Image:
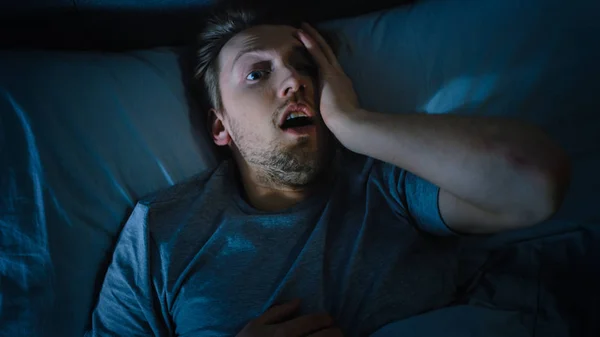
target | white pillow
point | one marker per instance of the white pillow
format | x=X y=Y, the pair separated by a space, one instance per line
x=537 y=60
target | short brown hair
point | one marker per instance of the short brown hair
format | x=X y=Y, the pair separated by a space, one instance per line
x=220 y=27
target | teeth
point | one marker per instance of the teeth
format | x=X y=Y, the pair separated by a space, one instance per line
x=296 y=114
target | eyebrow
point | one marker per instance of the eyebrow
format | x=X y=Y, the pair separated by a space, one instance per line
x=245 y=51
x=296 y=49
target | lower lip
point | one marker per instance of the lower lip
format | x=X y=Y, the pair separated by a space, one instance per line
x=302 y=130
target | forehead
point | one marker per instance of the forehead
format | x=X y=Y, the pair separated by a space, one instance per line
x=263 y=37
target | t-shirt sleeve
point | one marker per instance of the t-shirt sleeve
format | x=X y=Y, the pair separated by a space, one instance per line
x=125 y=306
x=422 y=199
x=418 y=198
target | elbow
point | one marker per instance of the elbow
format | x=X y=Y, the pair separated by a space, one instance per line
x=552 y=184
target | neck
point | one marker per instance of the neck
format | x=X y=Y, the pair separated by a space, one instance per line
x=265 y=194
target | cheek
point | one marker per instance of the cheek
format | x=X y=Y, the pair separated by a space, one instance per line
x=250 y=112
x=255 y=103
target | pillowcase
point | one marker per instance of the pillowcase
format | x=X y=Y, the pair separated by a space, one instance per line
x=83 y=136
x=535 y=61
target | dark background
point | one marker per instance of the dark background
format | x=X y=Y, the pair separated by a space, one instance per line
x=134 y=24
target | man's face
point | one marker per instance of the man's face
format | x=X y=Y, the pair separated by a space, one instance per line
x=270 y=106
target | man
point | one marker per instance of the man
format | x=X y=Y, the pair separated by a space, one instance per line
x=297 y=235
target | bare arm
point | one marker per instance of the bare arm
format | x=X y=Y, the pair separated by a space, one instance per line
x=494 y=174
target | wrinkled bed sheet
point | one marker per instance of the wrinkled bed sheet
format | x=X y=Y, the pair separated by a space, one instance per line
x=83 y=135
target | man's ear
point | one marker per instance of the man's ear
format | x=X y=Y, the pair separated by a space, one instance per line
x=218 y=131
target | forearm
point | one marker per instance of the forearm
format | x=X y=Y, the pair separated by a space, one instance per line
x=496 y=164
x=500 y=173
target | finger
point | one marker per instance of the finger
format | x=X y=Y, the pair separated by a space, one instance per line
x=331 y=332
x=306 y=324
x=313 y=48
x=325 y=47
x=279 y=313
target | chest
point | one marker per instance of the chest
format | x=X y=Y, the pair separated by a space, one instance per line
x=365 y=268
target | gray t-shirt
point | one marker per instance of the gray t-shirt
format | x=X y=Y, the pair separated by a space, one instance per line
x=197 y=260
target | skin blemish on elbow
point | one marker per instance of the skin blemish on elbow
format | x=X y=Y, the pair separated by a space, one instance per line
x=514 y=157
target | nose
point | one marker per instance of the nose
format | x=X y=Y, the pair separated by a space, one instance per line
x=292 y=83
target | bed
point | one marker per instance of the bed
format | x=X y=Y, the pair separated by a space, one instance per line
x=85 y=133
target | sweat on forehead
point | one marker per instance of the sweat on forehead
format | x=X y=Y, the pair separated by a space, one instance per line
x=257 y=38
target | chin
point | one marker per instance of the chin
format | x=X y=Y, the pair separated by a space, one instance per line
x=300 y=169
x=296 y=164
x=301 y=180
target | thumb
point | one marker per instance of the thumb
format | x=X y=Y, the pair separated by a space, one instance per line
x=279 y=313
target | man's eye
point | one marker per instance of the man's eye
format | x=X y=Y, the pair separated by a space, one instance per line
x=256 y=75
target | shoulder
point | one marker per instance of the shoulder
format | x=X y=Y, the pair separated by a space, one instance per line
x=360 y=168
x=187 y=189
x=358 y=175
x=164 y=212
x=354 y=166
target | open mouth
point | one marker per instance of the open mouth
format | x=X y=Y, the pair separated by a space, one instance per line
x=297 y=120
